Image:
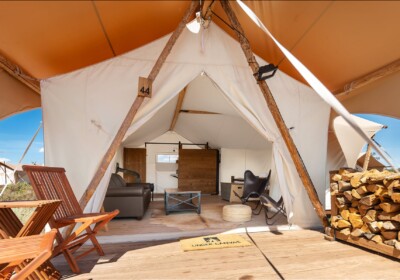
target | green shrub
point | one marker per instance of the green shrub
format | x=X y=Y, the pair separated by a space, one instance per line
x=19 y=191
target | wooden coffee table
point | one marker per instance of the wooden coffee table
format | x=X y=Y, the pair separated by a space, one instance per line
x=181 y=201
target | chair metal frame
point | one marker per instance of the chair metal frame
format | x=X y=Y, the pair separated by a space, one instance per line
x=263 y=184
x=279 y=206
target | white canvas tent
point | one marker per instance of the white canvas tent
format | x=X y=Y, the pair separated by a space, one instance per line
x=345 y=145
x=82 y=111
x=350 y=141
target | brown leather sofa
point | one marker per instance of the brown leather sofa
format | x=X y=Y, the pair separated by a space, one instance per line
x=132 y=199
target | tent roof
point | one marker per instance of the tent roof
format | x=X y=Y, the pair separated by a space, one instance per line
x=225 y=129
x=339 y=41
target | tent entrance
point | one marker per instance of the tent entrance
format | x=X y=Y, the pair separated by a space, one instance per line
x=205 y=115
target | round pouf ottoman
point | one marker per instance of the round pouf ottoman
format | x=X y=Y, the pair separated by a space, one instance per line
x=236 y=213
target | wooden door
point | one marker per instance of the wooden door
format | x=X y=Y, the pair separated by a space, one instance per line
x=135 y=159
x=198 y=170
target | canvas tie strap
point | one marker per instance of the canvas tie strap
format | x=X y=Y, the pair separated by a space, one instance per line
x=322 y=91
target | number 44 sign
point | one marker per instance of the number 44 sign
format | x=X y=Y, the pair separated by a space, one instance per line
x=145 y=87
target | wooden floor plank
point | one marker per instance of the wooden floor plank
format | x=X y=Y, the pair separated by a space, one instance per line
x=300 y=254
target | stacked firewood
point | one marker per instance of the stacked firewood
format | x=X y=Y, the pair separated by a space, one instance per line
x=368 y=205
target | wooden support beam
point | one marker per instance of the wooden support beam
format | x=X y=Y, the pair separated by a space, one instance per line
x=199 y=112
x=273 y=107
x=369 y=78
x=367 y=157
x=105 y=162
x=178 y=108
x=18 y=74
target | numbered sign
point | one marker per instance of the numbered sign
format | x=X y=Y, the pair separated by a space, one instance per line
x=145 y=87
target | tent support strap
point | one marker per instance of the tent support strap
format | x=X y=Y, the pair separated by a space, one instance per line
x=273 y=107
x=109 y=155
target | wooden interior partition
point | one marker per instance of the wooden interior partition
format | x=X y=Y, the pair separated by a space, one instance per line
x=135 y=159
x=198 y=170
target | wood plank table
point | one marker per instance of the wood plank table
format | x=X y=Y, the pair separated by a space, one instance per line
x=179 y=201
x=11 y=226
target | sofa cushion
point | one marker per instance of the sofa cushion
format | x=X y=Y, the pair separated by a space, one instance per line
x=116 y=181
x=124 y=192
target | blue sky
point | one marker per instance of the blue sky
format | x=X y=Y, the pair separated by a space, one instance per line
x=388 y=138
x=16 y=132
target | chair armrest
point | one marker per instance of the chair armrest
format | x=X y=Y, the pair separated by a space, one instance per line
x=144 y=185
x=124 y=191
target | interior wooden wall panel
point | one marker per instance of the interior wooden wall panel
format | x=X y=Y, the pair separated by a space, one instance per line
x=198 y=170
x=135 y=159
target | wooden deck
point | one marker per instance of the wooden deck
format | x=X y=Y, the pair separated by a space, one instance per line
x=296 y=254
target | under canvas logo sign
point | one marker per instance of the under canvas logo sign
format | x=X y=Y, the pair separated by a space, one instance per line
x=214 y=242
x=211 y=239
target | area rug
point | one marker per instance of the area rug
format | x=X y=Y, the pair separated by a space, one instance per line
x=210 y=218
x=214 y=242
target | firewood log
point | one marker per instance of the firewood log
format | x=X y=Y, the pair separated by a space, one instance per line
x=355 y=220
x=370 y=216
x=345 y=231
x=393 y=186
x=365 y=228
x=334 y=187
x=363 y=209
x=391 y=225
x=345 y=214
x=389 y=216
x=369 y=235
x=389 y=207
x=336 y=177
x=389 y=234
x=355 y=181
x=355 y=203
x=393 y=242
x=343 y=224
x=353 y=210
x=395 y=197
x=369 y=200
x=362 y=190
x=378 y=238
x=357 y=232
x=344 y=186
x=355 y=194
x=375 y=226
x=348 y=195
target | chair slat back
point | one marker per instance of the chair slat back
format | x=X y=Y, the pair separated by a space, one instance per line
x=9 y=223
x=51 y=183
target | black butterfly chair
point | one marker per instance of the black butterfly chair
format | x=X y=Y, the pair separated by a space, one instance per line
x=253 y=187
x=268 y=202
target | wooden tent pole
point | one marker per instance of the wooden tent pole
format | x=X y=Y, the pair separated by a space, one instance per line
x=273 y=107
x=106 y=160
x=367 y=157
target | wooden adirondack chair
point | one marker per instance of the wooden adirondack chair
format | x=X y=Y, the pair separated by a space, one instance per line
x=52 y=183
x=14 y=251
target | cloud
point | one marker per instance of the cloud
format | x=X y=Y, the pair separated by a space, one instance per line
x=2 y=159
x=41 y=150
